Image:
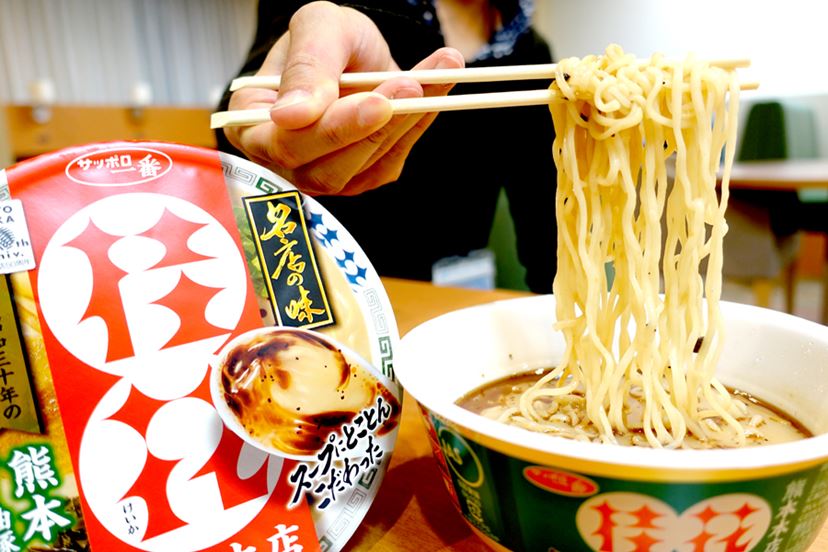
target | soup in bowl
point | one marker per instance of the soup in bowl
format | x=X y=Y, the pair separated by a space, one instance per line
x=523 y=490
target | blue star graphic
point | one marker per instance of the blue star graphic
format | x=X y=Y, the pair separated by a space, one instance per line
x=315 y=219
x=322 y=233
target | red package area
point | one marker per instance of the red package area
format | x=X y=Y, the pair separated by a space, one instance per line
x=176 y=337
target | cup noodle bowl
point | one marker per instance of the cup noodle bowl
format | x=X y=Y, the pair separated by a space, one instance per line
x=526 y=491
x=147 y=265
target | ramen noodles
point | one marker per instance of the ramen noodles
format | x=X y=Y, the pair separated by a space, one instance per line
x=638 y=148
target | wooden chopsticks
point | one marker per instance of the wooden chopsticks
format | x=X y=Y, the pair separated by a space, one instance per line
x=433 y=76
x=446 y=76
x=423 y=76
x=403 y=106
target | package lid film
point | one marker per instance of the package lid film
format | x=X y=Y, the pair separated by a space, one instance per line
x=167 y=279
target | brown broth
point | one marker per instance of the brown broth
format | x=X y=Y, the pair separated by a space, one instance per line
x=778 y=427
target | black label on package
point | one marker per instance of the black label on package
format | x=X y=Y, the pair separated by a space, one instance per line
x=289 y=268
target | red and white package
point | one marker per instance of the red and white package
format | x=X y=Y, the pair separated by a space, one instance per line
x=154 y=394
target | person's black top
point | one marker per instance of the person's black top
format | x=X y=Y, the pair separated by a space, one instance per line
x=444 y=202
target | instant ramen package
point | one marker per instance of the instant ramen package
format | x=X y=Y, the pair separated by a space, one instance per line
x=193 y=356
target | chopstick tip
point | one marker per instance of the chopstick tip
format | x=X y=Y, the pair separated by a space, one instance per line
x=241 y=117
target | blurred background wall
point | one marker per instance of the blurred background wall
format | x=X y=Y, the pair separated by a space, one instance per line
x=180 y=52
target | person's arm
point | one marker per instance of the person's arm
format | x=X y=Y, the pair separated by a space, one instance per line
x=324 y=143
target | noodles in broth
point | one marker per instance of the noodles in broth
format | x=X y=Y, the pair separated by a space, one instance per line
x=650 y=338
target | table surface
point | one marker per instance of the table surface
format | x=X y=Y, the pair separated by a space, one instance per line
x=412 y=510
x=789 y=174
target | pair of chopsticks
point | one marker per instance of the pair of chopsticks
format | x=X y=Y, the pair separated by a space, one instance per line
x=428 y=104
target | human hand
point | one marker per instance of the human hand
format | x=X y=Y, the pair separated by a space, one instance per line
x=321 y=142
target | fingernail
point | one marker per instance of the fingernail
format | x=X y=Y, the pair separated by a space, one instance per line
x=372 y=111
x=291 y=98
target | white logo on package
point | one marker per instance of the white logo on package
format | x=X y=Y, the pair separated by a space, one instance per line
x=632 y=521
x=136 y=251
x=16 y=254
x=123 y=166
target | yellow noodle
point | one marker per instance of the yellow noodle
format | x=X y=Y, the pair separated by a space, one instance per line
x=618 y=122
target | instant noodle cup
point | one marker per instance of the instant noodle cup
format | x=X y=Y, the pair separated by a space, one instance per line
x=523 y=490
x=127 y=268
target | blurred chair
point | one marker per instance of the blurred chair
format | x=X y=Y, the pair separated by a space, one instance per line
x=763 y=240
